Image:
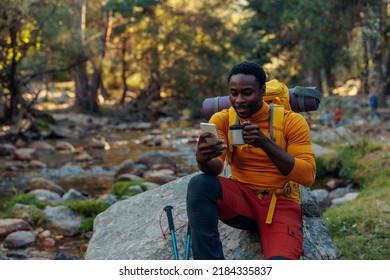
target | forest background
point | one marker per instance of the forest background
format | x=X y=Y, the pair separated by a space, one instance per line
x=164 y=57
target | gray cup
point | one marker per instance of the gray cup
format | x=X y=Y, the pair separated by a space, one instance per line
x=236 y=136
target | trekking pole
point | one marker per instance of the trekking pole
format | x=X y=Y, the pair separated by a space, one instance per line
x=188 y=241
x=168 y=210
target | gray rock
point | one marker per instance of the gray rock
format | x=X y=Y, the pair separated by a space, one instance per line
x=25 y=212
x=46 y=195
x=132 y=229
x=73 y=194
x=109 y=199
x=322 y=197
x=152 y=159
x=135 y=189
x=8 y=226
x=339 y=192
x=41 y=183
x=346 y=198
x=130 y=167
x=7 y=149
x=19 y=239
x=62 y=220
x=318 y=244
x=337 y=134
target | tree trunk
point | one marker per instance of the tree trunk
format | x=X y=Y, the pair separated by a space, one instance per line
x=386 y=88
x=85 y=94
x=107 y=26
x=314 y=77
x=152 y=91
x=123 y=60
x=16 y=96
x=365 y=68
x=376 y=43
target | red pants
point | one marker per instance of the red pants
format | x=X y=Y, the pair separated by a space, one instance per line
x=210 y=198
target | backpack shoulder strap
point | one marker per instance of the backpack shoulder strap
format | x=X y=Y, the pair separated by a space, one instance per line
x=233 y=119
x=277 y=124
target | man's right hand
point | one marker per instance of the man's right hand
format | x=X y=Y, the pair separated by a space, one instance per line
x=207 y=151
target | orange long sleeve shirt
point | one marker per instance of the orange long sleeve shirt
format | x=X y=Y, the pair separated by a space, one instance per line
x=253 y=167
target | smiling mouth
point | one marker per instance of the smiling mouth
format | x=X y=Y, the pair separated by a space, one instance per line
x=242 y=109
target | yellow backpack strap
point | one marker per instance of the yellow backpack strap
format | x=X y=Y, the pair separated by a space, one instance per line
x=276 y=124
x=233 y=119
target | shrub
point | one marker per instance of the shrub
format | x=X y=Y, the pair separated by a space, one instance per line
x=88 y=210
x=121 y=188
x=26 y=199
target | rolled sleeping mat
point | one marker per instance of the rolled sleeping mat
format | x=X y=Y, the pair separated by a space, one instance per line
x=302 y=99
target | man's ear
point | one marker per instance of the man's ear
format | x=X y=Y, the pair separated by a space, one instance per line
x=262 y=90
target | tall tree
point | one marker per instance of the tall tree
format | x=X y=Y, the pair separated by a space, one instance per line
x=374 y=14
x=21 y=26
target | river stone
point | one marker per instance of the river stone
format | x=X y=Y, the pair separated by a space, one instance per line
x=338 y=193
x=8 y=226
x=130 y=167
x=158 y=177
x=153 y=159
x=64 y=146
x=25 y=212
x=7 y=149
x=36 y=164
x=131 y=229
x=19 y=239
x=62 y=220
x=42 y=146
x=25 y=154
x=346 y=198
x=46 y=195
x=41 y=183
x=322 y=197
x=73 y=194
x=96 y=143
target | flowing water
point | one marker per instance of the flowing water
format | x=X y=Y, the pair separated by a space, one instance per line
x=177 y=141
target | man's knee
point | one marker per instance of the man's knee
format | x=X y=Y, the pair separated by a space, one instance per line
x=202 y=185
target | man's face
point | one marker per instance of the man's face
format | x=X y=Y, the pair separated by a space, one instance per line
x=245 y=95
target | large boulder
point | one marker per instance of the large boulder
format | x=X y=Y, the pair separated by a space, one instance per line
x=133 y=229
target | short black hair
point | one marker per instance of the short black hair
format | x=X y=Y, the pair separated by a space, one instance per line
x=249 y=68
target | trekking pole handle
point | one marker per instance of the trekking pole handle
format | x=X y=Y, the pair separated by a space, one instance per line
x=168 y=210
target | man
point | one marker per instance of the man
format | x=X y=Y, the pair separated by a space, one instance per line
x=373 y=100
x=255 y=196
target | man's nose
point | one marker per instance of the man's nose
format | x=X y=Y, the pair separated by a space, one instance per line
x=240 y=98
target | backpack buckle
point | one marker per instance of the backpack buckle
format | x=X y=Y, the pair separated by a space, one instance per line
x=287 y=191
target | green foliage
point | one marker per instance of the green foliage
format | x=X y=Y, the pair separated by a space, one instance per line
x=121 y=188
x=26 y=199
x=360 y=228
x=346 y=163
x=88 y=210
x=43 y=121
x=327 y=166
x=350 y=157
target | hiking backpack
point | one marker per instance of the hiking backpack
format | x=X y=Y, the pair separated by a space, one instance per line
x=279 y=97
